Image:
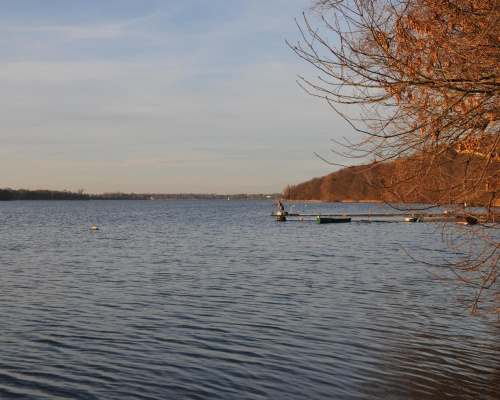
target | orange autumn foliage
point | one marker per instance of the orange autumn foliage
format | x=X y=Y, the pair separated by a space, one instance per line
x=425 y=78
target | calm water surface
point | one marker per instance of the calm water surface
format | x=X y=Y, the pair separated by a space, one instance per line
x=216 y=300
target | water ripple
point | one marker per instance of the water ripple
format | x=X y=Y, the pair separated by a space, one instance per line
x=213 y=300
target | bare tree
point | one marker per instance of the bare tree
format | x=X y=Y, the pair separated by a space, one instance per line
x=426 y=77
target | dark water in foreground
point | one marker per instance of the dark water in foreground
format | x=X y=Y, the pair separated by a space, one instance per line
x=216 y=300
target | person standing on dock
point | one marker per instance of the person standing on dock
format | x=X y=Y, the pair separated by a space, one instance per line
x=281 y=213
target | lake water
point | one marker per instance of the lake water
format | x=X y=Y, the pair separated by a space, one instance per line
x=217 y=300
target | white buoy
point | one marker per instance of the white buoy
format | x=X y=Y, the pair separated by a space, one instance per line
x=94 y=228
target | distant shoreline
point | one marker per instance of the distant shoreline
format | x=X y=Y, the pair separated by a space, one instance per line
x=44 y=194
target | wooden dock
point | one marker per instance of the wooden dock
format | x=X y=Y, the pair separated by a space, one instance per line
x=383 y=217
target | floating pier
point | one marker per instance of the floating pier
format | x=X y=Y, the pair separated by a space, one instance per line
x=460 y=218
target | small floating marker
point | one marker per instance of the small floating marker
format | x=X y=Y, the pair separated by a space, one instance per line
x=94 y=228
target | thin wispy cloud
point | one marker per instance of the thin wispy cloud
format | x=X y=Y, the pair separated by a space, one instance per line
x=195 y=88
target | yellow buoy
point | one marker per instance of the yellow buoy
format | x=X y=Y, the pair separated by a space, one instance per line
x=94 y=228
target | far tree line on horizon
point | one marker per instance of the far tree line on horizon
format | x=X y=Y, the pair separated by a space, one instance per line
x=424 y=77
x=44 y=194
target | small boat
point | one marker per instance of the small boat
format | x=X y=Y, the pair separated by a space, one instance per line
x=329 y=220
x=280 y=216
x=413 y=219
x=466 y=220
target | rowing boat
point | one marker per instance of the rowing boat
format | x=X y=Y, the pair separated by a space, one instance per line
x=328 y=220
x=466 y=220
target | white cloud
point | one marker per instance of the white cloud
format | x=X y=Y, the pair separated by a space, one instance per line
x=68 y=32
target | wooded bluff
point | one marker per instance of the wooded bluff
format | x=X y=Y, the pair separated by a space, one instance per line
x=399 y=181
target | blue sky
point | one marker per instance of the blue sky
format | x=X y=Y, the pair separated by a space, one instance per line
x=157 y=96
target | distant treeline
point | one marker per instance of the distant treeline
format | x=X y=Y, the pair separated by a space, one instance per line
x=43 y=194
x=24 y=194
x=383 y=181
x=348 y=184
